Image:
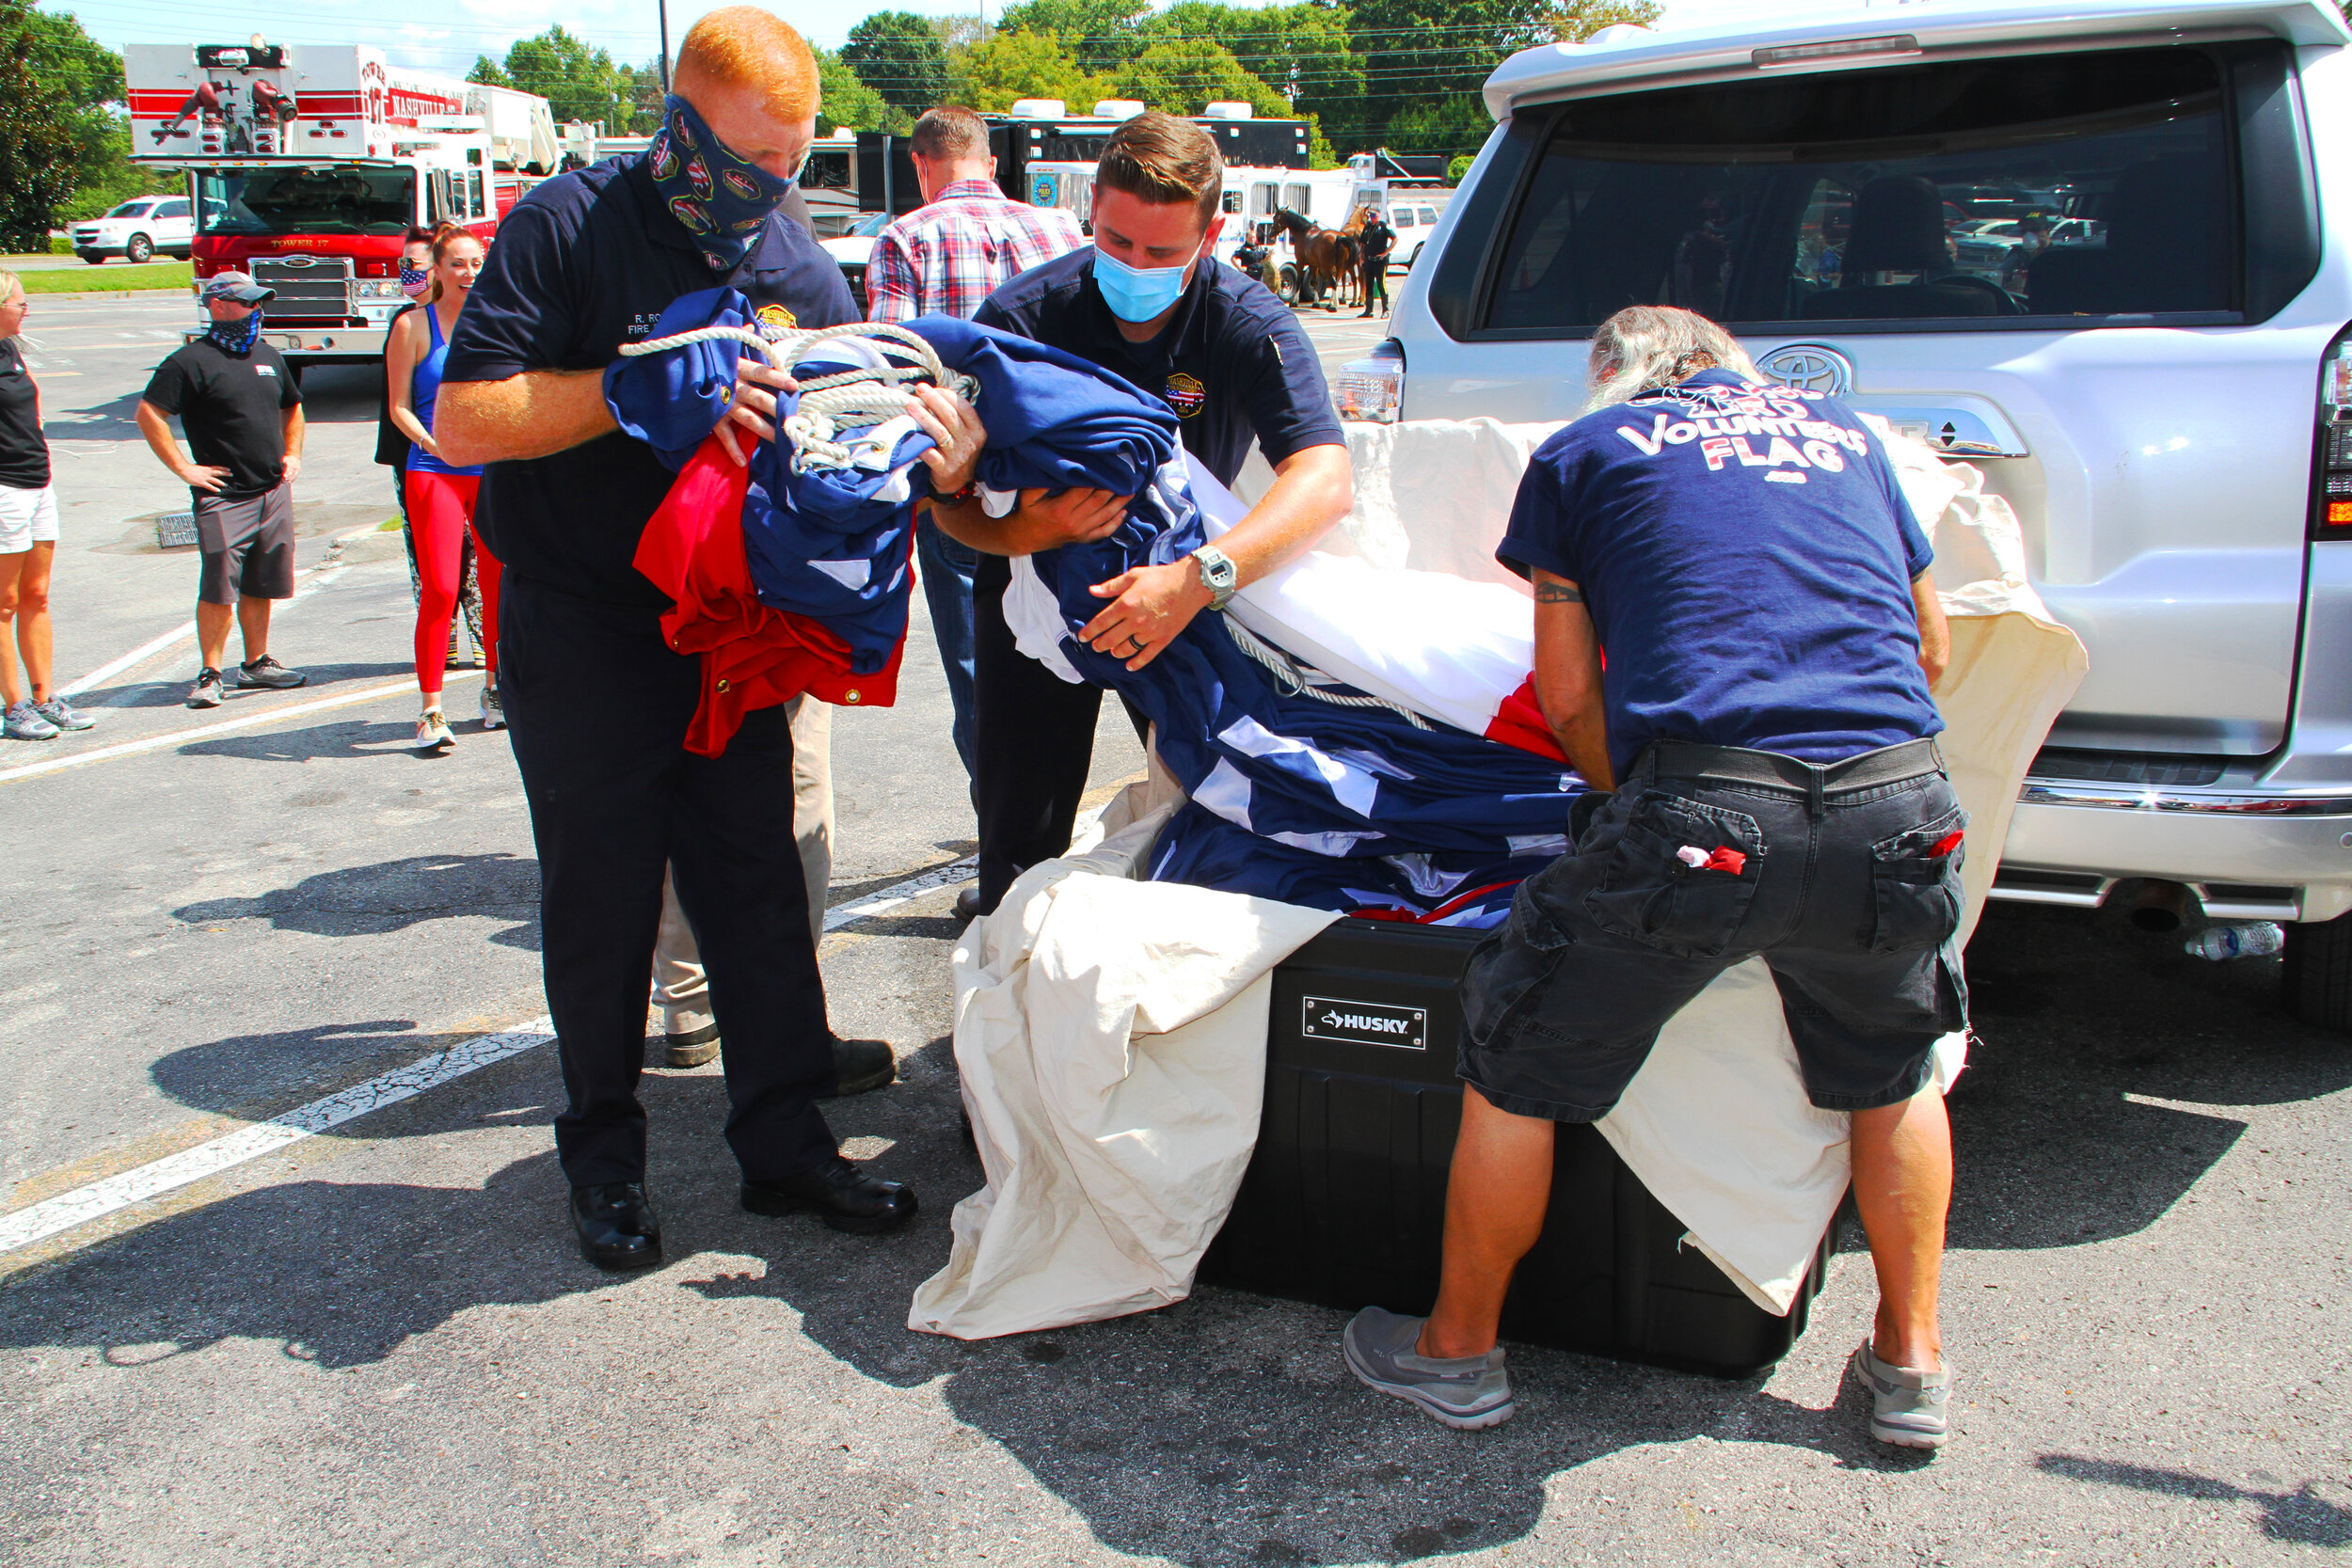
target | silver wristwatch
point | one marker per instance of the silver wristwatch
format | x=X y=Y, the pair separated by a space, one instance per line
x=1218 y=574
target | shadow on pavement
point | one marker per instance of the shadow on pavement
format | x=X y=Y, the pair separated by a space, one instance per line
x=1220 y=1431
x=1223 y=1430
x=172 y=690
x=391 y=895
x=2296 y=1516
x=2081 y=1021
x=347 y=737
x=258 y=1076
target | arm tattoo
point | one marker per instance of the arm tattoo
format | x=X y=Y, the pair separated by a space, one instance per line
x=1557 y=593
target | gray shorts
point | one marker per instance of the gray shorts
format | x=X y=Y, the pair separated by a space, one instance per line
x=247 y=545
x=1852 y=902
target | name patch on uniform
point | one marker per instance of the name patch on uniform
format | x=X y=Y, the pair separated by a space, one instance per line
x=270 y=371
x=1329 y=1018
x=777 y=318
x=1186 y=395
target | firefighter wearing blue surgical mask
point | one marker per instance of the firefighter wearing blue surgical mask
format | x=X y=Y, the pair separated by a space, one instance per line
x=1149 y=304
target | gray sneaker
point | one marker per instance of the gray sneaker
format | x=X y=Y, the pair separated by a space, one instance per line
x=267 y=672
x=1466 y=1393
x=58 y=712
x=24 y=722
x=1906 y=1407
x=206 y=692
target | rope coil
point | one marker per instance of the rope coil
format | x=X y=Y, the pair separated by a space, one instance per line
x=863 y=396
x=1294 y=675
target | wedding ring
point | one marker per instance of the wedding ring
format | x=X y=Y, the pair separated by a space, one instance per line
x=1135 y=642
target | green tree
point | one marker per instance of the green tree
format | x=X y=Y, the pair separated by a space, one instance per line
x=1183 y=75
x=577 y=80
x=1101 y=35
x=1301 y=50
x=40 y=155
x=1417 y=54
x=89 y=78
x=897 y=53
x=991 y=76
x=847 y=103
x=488 y=73
x=1453 y=124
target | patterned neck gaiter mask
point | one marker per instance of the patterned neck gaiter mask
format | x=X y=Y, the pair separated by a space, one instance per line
x=414 y=280
x=719 y=199
x=236 y=337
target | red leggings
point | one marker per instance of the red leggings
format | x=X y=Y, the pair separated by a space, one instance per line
x=440 y=509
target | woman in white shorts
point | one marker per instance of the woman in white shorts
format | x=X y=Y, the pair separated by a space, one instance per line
x=29 y=539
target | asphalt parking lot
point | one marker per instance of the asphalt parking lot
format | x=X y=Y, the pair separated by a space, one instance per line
x=377 y=1344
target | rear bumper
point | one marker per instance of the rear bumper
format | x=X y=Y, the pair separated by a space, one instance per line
x=337 y=344
x=2269 y=856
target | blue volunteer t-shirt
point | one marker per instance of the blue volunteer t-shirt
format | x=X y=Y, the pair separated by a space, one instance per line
x=586 y=263
x=1747 y=558
x=1232 y=362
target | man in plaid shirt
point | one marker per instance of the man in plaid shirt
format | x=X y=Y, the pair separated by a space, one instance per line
x=941 y=260
x=944 y=258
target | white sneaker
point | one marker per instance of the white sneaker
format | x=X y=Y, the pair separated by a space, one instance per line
x=493 y=711
x=433 y=732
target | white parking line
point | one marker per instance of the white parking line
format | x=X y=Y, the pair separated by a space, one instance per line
x=116 y=1193
x=200 y=731
x=954 y=874
x=149 y=650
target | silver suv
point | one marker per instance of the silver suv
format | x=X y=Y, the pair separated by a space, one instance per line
x=2153 y=366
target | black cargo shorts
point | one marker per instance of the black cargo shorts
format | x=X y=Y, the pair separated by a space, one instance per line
x=1851 y=894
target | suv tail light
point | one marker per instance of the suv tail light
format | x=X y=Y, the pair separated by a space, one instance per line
x=1373 y=389
x=2331 y=508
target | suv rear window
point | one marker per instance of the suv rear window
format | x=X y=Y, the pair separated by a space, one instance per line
x=2085 y=184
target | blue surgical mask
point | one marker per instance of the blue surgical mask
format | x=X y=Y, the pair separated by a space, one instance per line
x=236 y=337
x=1137 y=294
x=718 y=198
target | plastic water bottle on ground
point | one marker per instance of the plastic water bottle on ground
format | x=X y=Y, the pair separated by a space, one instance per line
x=2251 y=938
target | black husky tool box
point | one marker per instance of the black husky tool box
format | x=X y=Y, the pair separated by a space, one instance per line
x=1344 y=1200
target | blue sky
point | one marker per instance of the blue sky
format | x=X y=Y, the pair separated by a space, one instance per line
x=446 y=35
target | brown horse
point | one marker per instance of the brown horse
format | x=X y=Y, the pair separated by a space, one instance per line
x=1327 y=259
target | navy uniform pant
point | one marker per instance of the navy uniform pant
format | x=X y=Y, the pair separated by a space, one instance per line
x=597 y=708
x=1033 y=742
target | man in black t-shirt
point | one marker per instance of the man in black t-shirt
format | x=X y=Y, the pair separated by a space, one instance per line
x=1149 y=303
x=598 y=703
x=243 y=414
x=1377 y=240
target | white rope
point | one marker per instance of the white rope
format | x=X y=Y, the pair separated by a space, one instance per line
x=1293 y=676
x=861 y=396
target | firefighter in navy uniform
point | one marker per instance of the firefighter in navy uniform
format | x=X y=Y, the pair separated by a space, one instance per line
x=1149 y=303
x=598 y=706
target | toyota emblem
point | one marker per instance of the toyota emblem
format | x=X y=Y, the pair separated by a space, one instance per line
x=1809 y=368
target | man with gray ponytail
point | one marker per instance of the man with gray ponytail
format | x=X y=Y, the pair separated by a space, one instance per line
x=1744 y=555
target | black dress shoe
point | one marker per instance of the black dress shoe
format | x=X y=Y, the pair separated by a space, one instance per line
x=845 y=1196
x=968 y=903
x=862 y=1065
x=695 y=1047
x=617 y=1226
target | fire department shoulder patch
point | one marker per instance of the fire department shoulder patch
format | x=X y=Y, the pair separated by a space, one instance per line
x=777 y=318
x=1186 y=395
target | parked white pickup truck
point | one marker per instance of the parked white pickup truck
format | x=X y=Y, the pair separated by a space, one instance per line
x=2166 y=398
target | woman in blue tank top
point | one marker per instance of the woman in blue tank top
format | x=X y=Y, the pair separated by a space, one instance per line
x=440 y=498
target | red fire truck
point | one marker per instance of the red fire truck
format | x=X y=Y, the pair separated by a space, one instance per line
x=307 y=166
